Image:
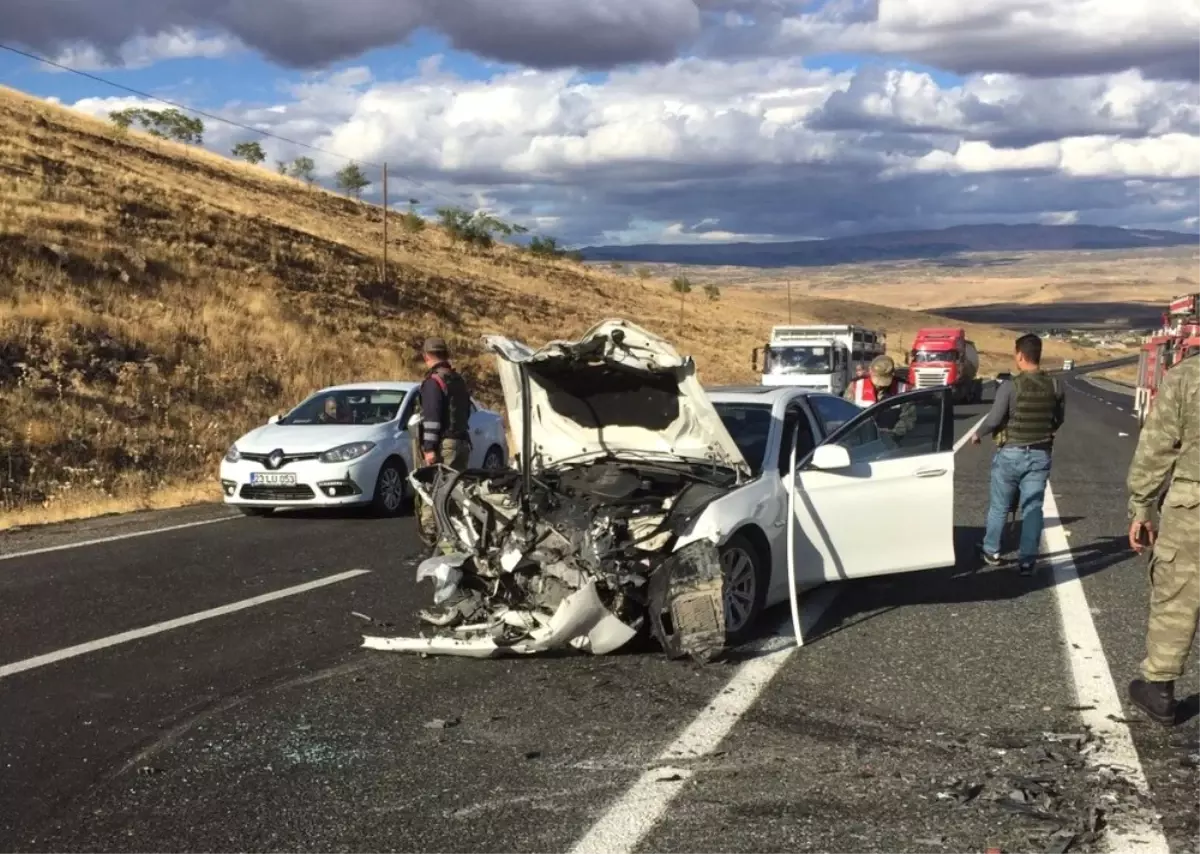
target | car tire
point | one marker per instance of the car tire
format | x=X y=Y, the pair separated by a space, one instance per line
x=392 y=493
x=256 y=511
x=745 y=590
x=493 y=459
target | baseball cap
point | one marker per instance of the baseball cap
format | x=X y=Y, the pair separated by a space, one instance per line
x=883 y=368
x=436 y=346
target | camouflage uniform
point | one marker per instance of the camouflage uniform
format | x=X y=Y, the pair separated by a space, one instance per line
x=1169 y=448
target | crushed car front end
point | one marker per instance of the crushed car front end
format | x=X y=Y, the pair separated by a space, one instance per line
x=620 y=453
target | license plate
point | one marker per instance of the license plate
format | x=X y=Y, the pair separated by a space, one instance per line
x=272 y=478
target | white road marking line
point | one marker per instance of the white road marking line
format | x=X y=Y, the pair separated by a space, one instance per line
x=625 y=824
x=967 y=436
x=116 y=537
x=1096 y=693
x=156 y=628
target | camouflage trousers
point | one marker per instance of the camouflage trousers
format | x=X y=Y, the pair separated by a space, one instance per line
x=1174 y=592
x=455 y=454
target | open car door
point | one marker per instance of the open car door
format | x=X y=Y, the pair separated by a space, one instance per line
x=877 y=496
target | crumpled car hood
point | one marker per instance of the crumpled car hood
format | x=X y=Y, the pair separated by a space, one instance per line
x=617 y=389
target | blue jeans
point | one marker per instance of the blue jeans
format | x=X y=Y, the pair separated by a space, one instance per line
x=1022 y=472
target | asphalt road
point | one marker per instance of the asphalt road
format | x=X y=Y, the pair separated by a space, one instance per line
x=935 y=711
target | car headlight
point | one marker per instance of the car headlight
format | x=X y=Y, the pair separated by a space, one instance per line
x=233 y=454
x=346 y=453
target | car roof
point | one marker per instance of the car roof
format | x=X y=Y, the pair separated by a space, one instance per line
x=756 y=393
x=380 y=385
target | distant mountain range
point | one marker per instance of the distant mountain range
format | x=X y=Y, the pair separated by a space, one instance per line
x=942 y=244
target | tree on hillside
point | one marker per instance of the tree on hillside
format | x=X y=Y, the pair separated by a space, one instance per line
x=123 y=119
x=351 y=180
x=712 y=292
x=478 y=229
x=681 y=285
x=410 y=220
x=164 y=124
x=304 y=169
x=281 y=166
x=251 y=152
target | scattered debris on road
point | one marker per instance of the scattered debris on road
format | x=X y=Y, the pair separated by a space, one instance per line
x=440 y=723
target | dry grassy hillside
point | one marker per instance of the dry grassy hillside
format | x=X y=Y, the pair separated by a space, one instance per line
x=157 y=301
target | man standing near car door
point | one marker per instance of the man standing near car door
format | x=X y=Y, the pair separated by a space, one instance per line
x=1023 y=420
x=879 y=383
x=1168 y=454
x=445 y=412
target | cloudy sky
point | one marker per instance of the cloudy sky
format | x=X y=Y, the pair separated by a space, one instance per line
x=603 y=121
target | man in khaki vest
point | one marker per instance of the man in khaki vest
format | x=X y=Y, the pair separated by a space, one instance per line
x=1168 y=454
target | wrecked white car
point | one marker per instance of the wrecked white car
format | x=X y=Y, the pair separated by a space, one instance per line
x=639 y=506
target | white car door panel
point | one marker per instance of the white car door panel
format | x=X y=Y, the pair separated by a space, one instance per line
x=890 y=507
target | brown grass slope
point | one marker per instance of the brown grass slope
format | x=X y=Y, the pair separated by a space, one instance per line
x=157 y=301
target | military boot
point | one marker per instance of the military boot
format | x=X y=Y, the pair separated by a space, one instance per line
x=1155 y=699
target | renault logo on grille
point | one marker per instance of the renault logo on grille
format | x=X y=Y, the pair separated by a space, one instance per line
x=276 y=459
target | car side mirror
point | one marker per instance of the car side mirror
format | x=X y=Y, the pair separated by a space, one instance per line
x=414 y=421
x=830 y=458
x=273 y=419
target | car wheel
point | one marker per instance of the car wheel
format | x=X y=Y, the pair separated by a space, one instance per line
x=391 y=490
x=256 y=511
x=493 y=459
x=745 y=587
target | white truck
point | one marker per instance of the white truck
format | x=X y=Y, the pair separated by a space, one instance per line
x=822 y=358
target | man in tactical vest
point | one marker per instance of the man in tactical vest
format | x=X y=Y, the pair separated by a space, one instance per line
x=1168 y=454
x=1023 y=420
x=445 y=410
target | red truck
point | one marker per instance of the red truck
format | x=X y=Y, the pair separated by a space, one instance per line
x=1178 y=338
x=944 y=356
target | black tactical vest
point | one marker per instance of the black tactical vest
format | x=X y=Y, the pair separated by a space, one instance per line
x=1031 y=421
x=456 y=402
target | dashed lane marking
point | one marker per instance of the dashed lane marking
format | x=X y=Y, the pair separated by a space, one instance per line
x=625 y=824
x=178 y=622
x=100 y=540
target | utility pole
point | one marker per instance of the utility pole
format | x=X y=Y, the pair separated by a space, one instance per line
x=385 y=213
x=789 y=301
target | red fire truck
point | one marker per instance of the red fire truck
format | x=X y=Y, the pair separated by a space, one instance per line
x=1178 y=338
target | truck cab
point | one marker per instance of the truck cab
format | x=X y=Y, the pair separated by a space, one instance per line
x=817 y=358
x=944 y=356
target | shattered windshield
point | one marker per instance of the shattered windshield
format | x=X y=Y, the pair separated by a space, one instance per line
x=360 y=406
x=749 y=424
x=800 y=359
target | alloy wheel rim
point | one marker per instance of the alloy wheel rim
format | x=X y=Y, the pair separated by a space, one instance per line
x=740 y=588
x=392 y=489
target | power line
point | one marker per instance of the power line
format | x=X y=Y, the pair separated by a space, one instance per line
x=222 y=119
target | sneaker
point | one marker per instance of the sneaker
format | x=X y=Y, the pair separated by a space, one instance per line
x=988 y=557
x=1026 y=568
x=1155 y=699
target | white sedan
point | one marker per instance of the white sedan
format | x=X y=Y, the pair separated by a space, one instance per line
x=870 y=499
x=344 y=445
x=642 y=496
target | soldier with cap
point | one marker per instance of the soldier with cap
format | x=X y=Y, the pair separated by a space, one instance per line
x=880 y=383
x=1168 y=454
x=445 y=410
